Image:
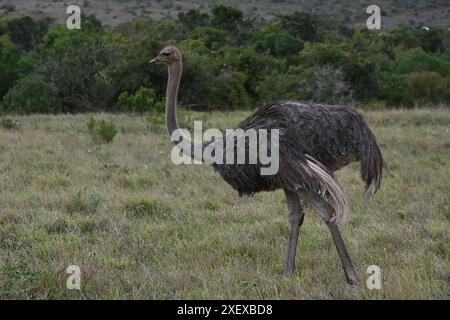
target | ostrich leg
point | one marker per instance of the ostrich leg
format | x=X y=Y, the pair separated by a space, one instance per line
x=346 y=261
x=325 y=212
x=295 y=218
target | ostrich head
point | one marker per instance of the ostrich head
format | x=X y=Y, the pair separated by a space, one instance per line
x=168 y=55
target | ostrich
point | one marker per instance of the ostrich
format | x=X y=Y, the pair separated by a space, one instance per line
x=314 y=141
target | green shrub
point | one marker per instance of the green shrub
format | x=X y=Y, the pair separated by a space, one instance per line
x=390 y=88
x=84 y=202
x=102 y=132
x=193 y=18
x=278 y=43
x=426 y=87
x=416 y=60
x=9 y=57
x=107 y=131
x=278 y=86
x=230 y=92
x=227 y=18
x=210 y=36
x=143 y=100
x=154 y=118
x=91 y=125
x=32 y=94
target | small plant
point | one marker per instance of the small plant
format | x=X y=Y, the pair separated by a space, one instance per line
x=9 y=124
x=155 y=118
x=91 y=124
x=84 y=202
x=102 y=132
x=107 y=131
x=144 y=208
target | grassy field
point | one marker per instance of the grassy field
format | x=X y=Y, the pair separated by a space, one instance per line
x=140 y=227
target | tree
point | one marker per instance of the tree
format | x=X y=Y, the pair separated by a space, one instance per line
x=255 y=65
x=75 y=62
x=193 y=19
x=211 y=37
x=227 y=18
x=26 y=31
x=320 y=54
x=280 y=44
x=416 y=60
x=303 y=25
x=232 y=20
x=9 y=58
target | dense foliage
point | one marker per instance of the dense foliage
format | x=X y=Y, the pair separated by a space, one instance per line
x=230 y=62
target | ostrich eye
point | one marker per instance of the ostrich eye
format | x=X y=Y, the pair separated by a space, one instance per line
x=165 y=54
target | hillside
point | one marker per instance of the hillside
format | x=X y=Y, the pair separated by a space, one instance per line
x=408 y=12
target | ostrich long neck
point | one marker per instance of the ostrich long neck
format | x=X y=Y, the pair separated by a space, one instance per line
x=173 y=82
x=171 y=96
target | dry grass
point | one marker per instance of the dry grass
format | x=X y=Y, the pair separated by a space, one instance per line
x=140 y=227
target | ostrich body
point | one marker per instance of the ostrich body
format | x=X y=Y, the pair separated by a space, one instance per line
x=314 y=141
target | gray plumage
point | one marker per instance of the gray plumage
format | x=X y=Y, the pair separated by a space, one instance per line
x=332 y=136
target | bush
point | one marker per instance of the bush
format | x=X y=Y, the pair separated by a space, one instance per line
x=230 y=91
x=84 y=202
x=9 y=58
x=426 y=87
x=227 y=18
x=416 y=60
x=32 y=94
x=193 y=18
x=390 y=88
x=143 y=100
x=302 y=24
x=102 y=132
x=325 y=84
x=279 y=44
x=320 y=84
x=254 y=66
x=321 y=54
x=210 y=36
x=278 y=86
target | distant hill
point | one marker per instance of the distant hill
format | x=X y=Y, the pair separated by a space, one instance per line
x=114 y=12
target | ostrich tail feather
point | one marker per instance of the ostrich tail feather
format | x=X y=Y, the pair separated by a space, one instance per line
x=336 y=197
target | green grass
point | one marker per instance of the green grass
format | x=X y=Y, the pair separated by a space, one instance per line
x=140 y=227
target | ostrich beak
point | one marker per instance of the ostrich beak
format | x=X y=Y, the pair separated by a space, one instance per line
x=155 y=60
